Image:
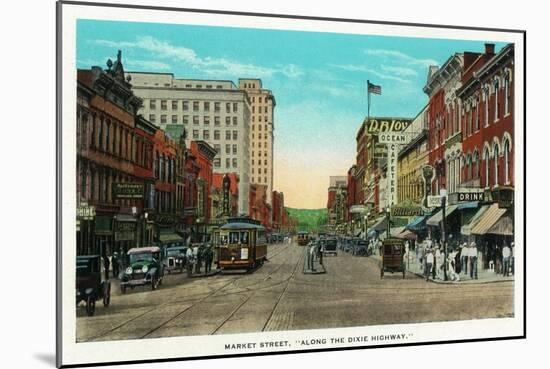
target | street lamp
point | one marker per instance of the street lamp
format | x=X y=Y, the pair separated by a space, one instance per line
x=443 y=194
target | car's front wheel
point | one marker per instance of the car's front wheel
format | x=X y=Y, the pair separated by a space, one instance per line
x=90 y=306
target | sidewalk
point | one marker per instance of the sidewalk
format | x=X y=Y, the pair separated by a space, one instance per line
x=483 y=275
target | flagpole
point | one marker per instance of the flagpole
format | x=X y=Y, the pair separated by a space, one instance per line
x=368 y=100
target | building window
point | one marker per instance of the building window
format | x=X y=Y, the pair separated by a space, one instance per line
x=234 y=162
x=217 y=148
x=163 y=119
x=235 y=105
x=209 y=87
x=260 y=99
x=227 y=135
x=205 y=134
x=174 y=119
x=497 y=101
x=507 y=94
x=195 y=134
x=235 y=135
x=195 y=106
x=153 y=104
x=260 y=118
x=185 y=105
x=486 y=105
x=188 y=86
x=228 y=107
x=506 y=161
x=487 y=181
x=216 y=135
x=234 y=149
x=228 y=149
x=206 y=120
x=253 y=109
x=265 y=162
x=206 y=106
x=476 y=125
x=174 y=104
x=195 y=119
x=234 y=121
x=217 y=120
x=227 y=162
x=163 y=105
x=185 y=119
x=496 y=154
x=216 y=107
x=219 y=87
x=152 y=118
x=217 y=162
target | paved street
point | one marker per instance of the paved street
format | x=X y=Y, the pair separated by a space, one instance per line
x=278 y=296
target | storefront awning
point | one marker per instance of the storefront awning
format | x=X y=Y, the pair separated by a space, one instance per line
x=466 y=229
x=394 y=232
x=503 y=227
x=468 y=205
x=406 y=234
x=380 y=225
x=417 y=223
x=438 y=217
x=488 y=219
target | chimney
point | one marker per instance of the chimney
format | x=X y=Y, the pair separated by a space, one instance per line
x=489 y=49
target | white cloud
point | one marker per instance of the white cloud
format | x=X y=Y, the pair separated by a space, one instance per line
x=393 y=54
x=400 y=71
x=208 y=65
x=148 y=64
x=364 y=69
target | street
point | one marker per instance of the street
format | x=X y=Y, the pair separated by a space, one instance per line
x=278 y=296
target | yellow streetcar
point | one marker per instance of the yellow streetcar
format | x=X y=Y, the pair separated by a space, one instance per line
x=242 y=244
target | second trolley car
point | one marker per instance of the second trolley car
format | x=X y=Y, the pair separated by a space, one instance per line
x=242 y=244
x=303 y=238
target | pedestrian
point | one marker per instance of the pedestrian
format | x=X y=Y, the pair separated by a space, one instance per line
x=189 y=260
x=451 y=263
x=512 y=260
x=115 y=264
x=429 y=263
x=106 y=265
x=506 y=253
x=208 y=257
x=473 y=260
x=458 y=264
x=438 y=261
x=464 y=255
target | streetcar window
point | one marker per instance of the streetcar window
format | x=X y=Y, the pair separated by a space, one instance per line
x=224 y=239
x=233 y=237
x=244 y=238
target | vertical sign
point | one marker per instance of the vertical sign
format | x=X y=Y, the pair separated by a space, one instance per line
x=391 y=185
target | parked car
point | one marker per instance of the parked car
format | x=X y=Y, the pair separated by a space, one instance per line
x=90 y=283
x=146 y=268
x=175 y=259
x=360 y=247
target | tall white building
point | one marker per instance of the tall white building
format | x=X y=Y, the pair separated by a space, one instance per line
x=262 y=104
x=213 y=111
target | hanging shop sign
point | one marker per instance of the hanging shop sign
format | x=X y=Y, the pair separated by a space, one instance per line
x=84 y=211
x=391 y=184
x=125 y=231
x=435 y=201
x=504 y=196
x=382 y=125
x=427 y=177
x=458 y=197
x=393 y=138
x=128 y=190
x=406 y=211
x=164 y=219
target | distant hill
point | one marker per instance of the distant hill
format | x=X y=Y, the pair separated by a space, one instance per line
x=309 y=219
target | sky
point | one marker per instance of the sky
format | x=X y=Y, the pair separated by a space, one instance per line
x=318 y=80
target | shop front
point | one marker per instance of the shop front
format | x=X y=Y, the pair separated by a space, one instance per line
x=126 y=229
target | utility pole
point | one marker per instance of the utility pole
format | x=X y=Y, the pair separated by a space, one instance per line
x=443 y=194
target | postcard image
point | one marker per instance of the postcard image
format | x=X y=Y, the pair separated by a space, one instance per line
x=235 y=184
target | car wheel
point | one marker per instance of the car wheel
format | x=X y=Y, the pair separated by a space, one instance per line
x=90 y=306
x=107 y=299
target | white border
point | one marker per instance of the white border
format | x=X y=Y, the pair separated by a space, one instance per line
x=193 y=346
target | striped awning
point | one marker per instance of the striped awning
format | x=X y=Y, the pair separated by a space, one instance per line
x=466 y=229
x=395 y=231
x=503 y=227
x=488 y=220
x=438 y=217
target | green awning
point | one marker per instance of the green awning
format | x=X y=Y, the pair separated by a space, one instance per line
x=438 y=217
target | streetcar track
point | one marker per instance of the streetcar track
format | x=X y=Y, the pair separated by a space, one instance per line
x=233 y=280
x=215 y=293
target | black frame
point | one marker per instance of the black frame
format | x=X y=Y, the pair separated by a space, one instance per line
x=59 y=176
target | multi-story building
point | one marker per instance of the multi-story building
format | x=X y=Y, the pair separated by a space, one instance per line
x=336 y=204
x=487 y=120
x=113 y=162
x=278 y=210
x=216 y=112
x=262 y=103
x=411 y=159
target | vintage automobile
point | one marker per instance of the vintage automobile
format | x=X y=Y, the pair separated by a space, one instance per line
x=360 y=247
x=146 y=268
x=393 y=250
x=175 y=259
x=90 y=283
x=329 y=246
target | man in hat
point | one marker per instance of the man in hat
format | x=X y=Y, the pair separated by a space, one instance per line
x=464 y=254
x=506 y=253
x=473 y=260
x=429 y=263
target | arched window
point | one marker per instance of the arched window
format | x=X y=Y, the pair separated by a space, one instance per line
x=506 y=161
x=469 y=174
x=486 y=105
x=487 y=172
x=496 y=154
x=475 y=160
x=497 y=102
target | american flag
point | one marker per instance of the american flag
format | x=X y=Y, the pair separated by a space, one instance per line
x=374 y=89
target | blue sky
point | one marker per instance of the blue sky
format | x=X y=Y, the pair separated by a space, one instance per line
x=318 y=79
